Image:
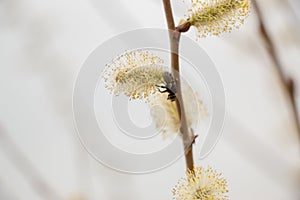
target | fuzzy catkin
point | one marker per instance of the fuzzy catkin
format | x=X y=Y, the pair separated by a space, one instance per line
x=217 y=16
x=201 y=184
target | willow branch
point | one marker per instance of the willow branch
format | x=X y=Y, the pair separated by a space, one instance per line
x=174 y=35
x=287 y=83
x=169 y=14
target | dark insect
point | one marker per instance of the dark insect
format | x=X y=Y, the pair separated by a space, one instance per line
x=169 y=86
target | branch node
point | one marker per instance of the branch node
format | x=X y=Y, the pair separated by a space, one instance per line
x=183 y=27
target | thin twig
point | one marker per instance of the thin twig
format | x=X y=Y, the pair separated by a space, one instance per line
x=169 y=14
x=175 y=33
x=21 y=162
x=287 y=83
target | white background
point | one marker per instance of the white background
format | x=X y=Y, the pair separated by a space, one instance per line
x=42 y=46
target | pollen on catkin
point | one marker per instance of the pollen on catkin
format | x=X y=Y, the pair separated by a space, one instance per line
x=217 y=16
x=134 y=74
x=165 y=115
x=201 y=184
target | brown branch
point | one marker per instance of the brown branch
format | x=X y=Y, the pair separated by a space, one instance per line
x=169 y=14
x=287 y=83
x=174 y=34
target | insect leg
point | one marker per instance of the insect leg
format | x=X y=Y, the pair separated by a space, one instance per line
x=160 y=86
x=162 y=91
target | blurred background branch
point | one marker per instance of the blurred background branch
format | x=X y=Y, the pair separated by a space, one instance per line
x=287 y=83
x=20 y=161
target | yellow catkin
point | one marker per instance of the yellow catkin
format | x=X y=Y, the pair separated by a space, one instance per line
x=217 y=16
x=165 y=115
x=134 y=74
x=201 y=184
